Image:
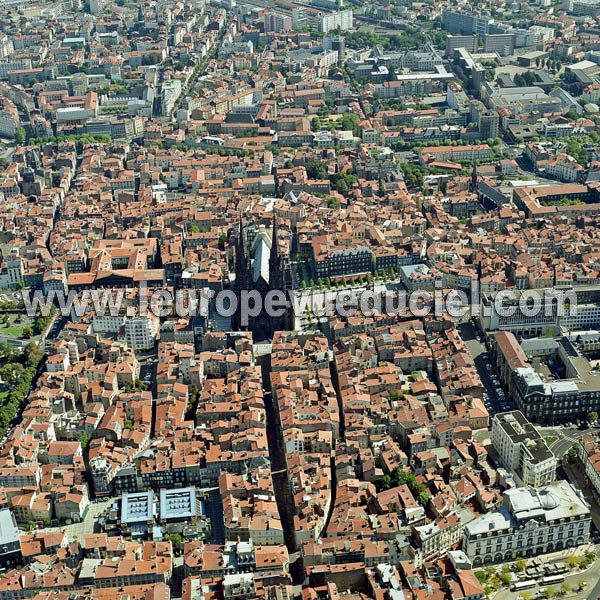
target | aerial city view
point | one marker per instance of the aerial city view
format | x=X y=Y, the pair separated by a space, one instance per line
x=299 y=299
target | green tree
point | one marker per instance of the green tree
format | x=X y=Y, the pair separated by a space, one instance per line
x=423 y=498
x=592 y=417
x=11 y=372
x=573 y=561
x=176 y=539
x=349 y=122
x=8 y=352
x=33 y=354
x=342 y=182
x=505 y=578
x=565 y=588
x=316 y=169
x=27 y=332
x=520 y=563
x=481 y=576
x=20 y=136
x=84 y=440
x=571 y=454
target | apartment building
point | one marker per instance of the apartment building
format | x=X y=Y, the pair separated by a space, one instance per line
x=342 y=19
x=523 y=450
x=454 y=21
x=331 y=261
x=277 y=22
x=588 y=451
x=140 y=332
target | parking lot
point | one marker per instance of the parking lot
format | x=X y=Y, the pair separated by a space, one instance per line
x=495 y=398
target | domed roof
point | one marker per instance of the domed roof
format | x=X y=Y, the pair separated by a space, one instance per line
x=548 y=500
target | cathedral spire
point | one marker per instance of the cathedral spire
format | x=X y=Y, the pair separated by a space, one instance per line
x=274 y=256
x=473 y=187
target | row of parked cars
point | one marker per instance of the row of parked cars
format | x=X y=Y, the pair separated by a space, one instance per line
x=502 y=403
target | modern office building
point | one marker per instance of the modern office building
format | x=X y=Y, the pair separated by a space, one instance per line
x=523 y=450
x=336 y=43
x=530 y=521
x=454 y=21
x=582 y=8
x=520 y=100
x=453 y=42
x=488 y=121
x=300 y=18
x=501 y=43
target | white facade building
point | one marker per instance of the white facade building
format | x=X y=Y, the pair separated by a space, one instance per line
x=140 y=332
x=531 y=521
x=343 y=19
x=522 y=449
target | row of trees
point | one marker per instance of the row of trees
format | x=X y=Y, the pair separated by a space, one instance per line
x=491 y=579
x=525 y=79
x=40 y=322
x=329 y=284
x=79 y=140
x=20 y=370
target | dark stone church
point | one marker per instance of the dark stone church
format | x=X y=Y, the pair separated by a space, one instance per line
x=260 y=265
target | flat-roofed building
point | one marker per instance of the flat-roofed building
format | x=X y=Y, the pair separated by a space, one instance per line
x=522 y=449
x=178 y=504
x=10 y=548
x=137 y=512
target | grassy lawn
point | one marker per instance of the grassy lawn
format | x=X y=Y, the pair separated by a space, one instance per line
x=14 y=331
x=550 y=439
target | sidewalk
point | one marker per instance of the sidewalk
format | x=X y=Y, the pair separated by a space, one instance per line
x=590 y=575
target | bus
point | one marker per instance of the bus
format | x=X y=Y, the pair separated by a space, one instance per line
x=210 y=140
x=523 y=585
x=552 y=579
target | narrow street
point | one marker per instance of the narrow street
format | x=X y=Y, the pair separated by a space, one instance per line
x=485 y=369
x=279 y=473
